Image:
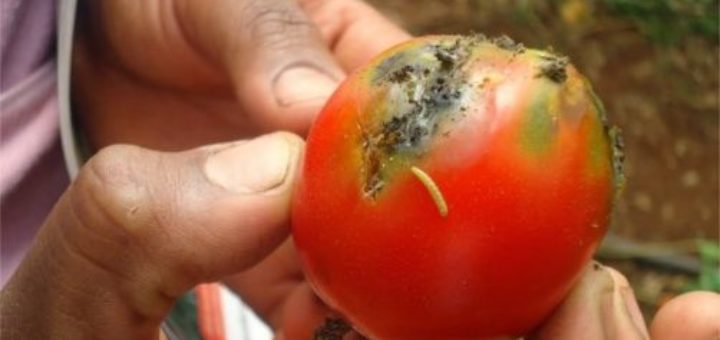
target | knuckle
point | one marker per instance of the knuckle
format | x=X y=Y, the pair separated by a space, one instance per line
x=94 y=226
x=129 y=197
x=112 y=164
x=111 y=187
x=277 y=25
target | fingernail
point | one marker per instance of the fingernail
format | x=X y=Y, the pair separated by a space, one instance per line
x=301 y=84
x=627 y=316
x=632 y=306
x=255 y=166
x=583 y=313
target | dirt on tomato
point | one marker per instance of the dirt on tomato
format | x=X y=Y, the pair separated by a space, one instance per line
x=454 y=188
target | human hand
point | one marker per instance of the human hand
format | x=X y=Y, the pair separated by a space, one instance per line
x=172 y=75
x=175 y=74
x=138 y=228
x=600 y=306
x=134 y=84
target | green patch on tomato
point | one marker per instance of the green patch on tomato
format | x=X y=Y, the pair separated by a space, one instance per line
x=428 y=226
x=539 y=125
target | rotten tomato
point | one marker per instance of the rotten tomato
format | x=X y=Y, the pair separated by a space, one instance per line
x=454 y=188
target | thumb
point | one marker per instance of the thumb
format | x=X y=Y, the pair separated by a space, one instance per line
x=138 y=228
x=692 y=315
x=281 y=69
x=600 y=306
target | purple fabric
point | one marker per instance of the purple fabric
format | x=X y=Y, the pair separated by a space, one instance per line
x=32 y=172
x=25 y=208
x=27 y=33
x=28 y=125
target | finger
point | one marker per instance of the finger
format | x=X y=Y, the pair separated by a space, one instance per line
x=693 y=315
x=276 y=289
x=354 y=31
x=281 y=69
x=305 y=314
x=309 y=313
x=267 y=285
x=600 y=306
x=138 y=228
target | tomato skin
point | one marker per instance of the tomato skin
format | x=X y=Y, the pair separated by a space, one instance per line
x=520 y=227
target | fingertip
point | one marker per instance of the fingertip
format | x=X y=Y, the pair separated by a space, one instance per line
x=617 y=277
x=694 y=315
x=298 y=93
x=281 y=70
x=292 y=138
x=632 y=309
x=258 y=166
x=303 y=313
x=601 y=305
x=354 y=30
x=288 y=100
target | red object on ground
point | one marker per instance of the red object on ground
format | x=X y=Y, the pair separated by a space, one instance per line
x=209 y=312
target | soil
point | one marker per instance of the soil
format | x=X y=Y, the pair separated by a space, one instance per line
x=664 y=97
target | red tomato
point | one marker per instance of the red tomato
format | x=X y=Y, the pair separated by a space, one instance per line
x=454 y=188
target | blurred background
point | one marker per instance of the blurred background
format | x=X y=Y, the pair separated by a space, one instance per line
x=655 y=65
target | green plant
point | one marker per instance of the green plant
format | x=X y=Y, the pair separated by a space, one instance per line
x=668 y=21
x=709 y=277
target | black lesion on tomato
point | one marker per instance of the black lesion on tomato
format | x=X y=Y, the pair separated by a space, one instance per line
x=506 y=43
x=618 y=159
x=617 y=144
x=332 y=329
x=553 y=67
x=424 y=86
x=401 y=75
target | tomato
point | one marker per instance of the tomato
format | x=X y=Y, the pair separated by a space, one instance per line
x=454 y=188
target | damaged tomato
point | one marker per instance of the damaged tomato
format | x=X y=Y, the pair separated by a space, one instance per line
x=454 y=188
